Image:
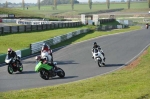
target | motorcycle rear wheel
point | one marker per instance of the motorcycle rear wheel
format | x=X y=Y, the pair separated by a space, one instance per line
x=20 y=69
x=44 y=74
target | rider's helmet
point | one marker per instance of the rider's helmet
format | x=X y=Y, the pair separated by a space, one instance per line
x=95 y=43
x=44 y=44
x=37 y=57
x=9 y=50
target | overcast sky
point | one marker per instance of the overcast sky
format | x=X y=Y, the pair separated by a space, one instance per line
x=35 y=1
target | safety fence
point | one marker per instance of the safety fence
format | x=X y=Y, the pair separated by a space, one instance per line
x=28 y=28
x=15 y=20
x=109 y=27
x=36 y=47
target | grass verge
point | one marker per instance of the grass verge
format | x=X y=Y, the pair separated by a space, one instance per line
x=22 y=40
x=126 y=83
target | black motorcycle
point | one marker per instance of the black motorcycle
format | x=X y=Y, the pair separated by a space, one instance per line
x=14 y=65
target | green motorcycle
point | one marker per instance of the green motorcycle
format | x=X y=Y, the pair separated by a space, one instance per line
x=46 y=71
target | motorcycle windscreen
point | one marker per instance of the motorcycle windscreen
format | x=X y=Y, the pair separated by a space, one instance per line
x=40 y=66
x=95 y=50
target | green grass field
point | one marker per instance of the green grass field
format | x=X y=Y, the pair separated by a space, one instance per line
x=23 y=40
x=83 y=8
x=65 y=9
x=130 y=82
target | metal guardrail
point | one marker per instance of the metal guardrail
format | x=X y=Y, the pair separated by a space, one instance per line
x=36 y=47
x=27 y=28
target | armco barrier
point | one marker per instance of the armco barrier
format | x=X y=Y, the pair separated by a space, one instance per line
x=109 y=27
x=63 y=37
x=28 y=28
x=2 y=58
x=36 y=47
x=25 y=52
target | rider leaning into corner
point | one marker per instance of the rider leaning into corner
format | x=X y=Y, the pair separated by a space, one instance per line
x=45 y=61
x=97 y=46
x=12 y=54
x=48 y=49
x=147 y=24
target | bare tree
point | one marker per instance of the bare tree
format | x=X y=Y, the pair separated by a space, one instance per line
x=148 y=3
x=108 y=3
x=6 y=4
x=90 y=4
x=38 y=3
x=23 y=5
x=72 y=4
x=55 y=4
x=128 y=2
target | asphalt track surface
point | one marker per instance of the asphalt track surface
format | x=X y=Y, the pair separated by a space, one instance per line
x=76 y=60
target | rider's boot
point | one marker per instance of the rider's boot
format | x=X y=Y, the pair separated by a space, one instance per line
x=104 y=59
x=93 y=57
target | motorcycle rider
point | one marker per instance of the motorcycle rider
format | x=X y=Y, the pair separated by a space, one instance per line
x=12 y=54
x=47 y=49
x=45 y=61
x=147 y=25
x=97 y=46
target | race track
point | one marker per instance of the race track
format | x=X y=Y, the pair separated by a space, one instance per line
x=76 y=60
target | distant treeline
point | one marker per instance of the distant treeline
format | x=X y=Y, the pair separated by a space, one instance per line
x=51 y=2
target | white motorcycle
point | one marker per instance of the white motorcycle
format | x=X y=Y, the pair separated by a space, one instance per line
x=45 y=54
x=98 y=56
x=13 y=65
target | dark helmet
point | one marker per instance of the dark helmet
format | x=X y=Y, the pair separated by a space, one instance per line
x=95 y=43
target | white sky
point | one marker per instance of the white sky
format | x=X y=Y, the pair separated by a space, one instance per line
x=35 y=1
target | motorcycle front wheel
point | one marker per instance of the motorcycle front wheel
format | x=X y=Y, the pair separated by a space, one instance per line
x=44 y=74
x=61 y=73
x=99 y=63
x=10 y=69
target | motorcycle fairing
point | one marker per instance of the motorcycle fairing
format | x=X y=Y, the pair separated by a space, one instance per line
x=40 y=66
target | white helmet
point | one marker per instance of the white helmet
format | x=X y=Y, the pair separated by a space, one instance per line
x=37 y=57
x=44 y=44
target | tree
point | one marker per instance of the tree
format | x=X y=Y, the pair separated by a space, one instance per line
x=38 y=3
x=90 y=4
x=128 y=2
x=55 y=4
x=23 y=6
x=108 y=3
x=148 y=3
x=6 y=4
x=72 y=4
